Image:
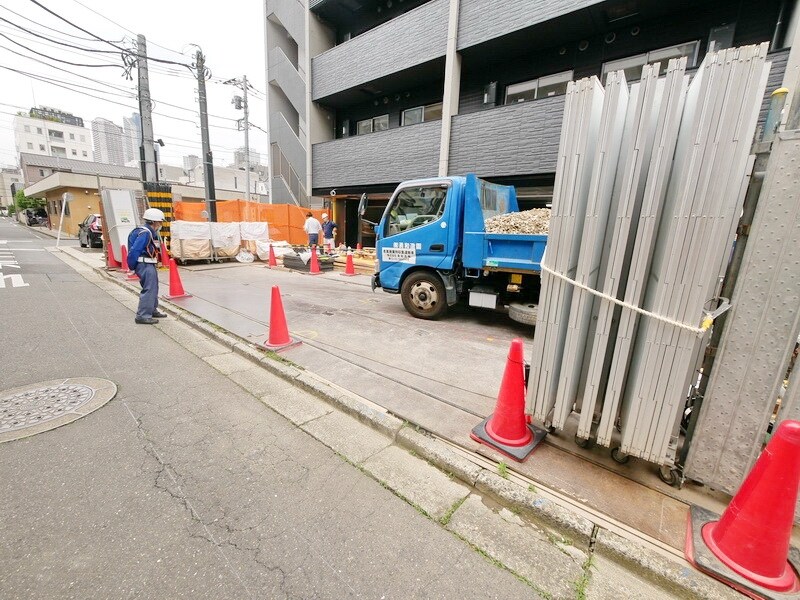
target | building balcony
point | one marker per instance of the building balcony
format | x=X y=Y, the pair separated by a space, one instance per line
x=415 y=38
x=387 y=156
x=483 y=20
x=509 y=140
x=284 y=74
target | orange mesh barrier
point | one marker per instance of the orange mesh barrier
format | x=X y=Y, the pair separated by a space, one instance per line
x=285 y=220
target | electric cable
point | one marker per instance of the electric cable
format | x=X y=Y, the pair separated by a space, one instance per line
x=66 y=62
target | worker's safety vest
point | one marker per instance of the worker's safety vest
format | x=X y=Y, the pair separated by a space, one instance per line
x=151 y=251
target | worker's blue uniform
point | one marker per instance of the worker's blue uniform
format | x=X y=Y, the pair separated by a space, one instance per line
x=143 y=260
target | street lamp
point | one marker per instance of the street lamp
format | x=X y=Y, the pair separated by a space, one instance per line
x=66 y=197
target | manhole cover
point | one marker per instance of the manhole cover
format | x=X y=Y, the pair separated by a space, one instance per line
x=32 y=409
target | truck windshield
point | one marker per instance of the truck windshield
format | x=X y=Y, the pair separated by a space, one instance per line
x=414 y=207
x=494 y=199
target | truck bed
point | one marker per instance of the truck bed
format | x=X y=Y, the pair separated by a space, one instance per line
x=503 y=251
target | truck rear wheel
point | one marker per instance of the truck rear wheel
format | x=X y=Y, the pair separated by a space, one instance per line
x=424 y=296
x=523 y=313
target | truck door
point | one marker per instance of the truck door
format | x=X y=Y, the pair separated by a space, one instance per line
x=414 y=230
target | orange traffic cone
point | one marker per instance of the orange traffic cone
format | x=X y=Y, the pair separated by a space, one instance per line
x=279 y=337
x=748 y=546
x=507 y=430
x=314 y=268
x=130 y=275
x=349 y=267
x=111 y=262
x=175 y=285
x=272 y=261
x=165 y=257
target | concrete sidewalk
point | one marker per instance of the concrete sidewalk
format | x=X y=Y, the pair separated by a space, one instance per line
x=440 y=377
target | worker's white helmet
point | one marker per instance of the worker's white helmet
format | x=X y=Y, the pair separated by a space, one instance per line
x=324 y=215
x=153 y=214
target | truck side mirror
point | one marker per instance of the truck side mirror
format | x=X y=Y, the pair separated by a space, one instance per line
x=362 y=205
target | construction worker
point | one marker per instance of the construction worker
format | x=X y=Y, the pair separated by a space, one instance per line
x=328 y=233
x=145 y=249
x=312 y=227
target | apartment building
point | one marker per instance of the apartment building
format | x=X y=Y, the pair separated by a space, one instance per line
x=51 y=132
x=109 y=142
x=364 y=94
x=8 y=177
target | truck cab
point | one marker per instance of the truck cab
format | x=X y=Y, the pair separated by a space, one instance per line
x=433 y=248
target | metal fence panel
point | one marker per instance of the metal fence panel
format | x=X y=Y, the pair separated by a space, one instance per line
x=761 y=331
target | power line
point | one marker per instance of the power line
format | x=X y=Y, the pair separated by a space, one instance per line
x=120 y=48
x=39 y=35
x=125 y=28
x=77 y=37
x=66 y=62
x=128 y=91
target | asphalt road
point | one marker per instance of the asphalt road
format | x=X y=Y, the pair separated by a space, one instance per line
x=185 y=485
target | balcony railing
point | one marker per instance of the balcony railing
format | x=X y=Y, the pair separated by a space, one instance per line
x=382 y=157
x=416 y=37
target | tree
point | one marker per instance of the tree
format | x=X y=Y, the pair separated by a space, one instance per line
x=21 y=201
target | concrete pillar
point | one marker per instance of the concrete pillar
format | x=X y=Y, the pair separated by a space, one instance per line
x=452 y=87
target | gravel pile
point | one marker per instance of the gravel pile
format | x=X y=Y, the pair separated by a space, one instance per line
x=536 y=221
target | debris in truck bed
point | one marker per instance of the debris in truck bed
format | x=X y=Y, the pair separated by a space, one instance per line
x=535 y=221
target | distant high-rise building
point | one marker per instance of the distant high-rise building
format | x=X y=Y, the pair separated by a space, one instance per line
x=132 y=127
x=52 y=132
x=240 y=159
x=108 y=142
x=191 y=161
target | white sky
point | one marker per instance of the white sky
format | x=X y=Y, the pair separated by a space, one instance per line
x=230 y=34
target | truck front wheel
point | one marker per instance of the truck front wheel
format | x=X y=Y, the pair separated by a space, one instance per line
x=424 y=296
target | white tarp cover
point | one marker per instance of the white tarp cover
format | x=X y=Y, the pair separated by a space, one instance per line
x=225 y=235
x=189 y=230
x=254 y=231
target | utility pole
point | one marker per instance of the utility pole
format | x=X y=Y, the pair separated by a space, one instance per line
x=246 y=137
x=147 y=151
x=240 y=102
x=208 y=158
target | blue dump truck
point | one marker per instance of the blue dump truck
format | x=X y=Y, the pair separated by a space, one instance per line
x=433 y=249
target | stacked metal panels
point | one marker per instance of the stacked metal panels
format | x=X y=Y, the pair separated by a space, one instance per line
x=579 y=135
x=703 y=198
x=604 y=169
x=638 y=220
x=652 y=228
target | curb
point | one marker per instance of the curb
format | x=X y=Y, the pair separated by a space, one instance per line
x=671 y=575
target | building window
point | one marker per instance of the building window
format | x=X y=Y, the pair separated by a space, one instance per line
x=412 y=116
x=74 y=152
x=72 y=136
x=30 y=146
x=56 y=135
x=380 y=123
x=84 y=153
x=420 y=114
x=632 y=65
x=39 y=130
x=27 y=128
x=535 y=89
x=41 y=148
x=41 y=172
x=83 y=138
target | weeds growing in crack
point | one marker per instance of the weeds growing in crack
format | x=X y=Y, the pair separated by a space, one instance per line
x=582 y=584
x=500 y=565
x=451 y=511
x=502 y=470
